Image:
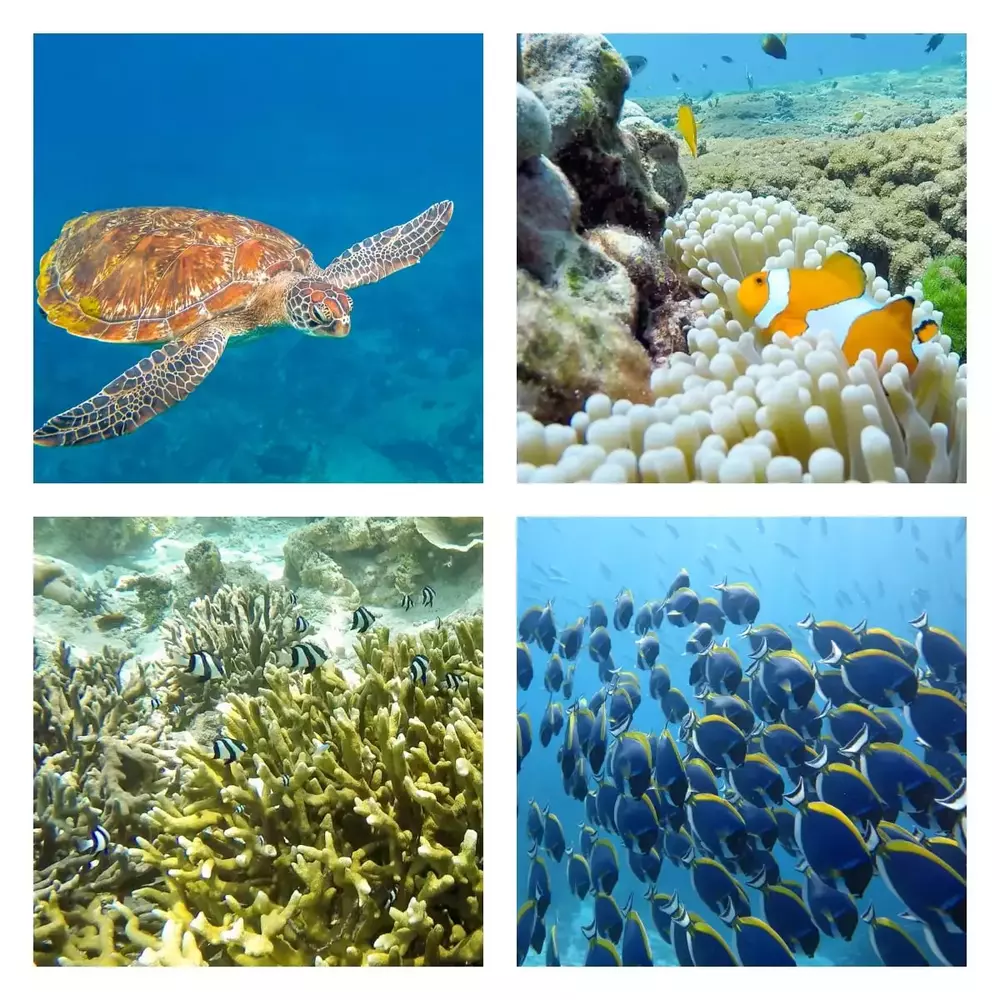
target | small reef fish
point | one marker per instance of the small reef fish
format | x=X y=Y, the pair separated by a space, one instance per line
x=688 y=127
x=418 y=668
x=675 y=78
x=820 y=70
x=427 y=596
x=934 y=42
x=452 y=680
x=774 y=45
x=97 y=843
x=307 y=656
x=749 y=78
x=726 y=59
x=406 y=603
x=301 y=625
x=636 y=63
x=862 y=37
x=205 y=666
x=227 y=750
x=704 y=65
x=834 y=298
x=362 y=619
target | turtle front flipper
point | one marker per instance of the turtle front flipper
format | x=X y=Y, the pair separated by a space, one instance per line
x=379 y=256
x=166 y=377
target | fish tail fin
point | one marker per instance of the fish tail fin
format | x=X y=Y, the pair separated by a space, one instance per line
x=926 y=331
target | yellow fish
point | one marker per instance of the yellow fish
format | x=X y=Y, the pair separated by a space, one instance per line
x=688 y=127
x=834 y=298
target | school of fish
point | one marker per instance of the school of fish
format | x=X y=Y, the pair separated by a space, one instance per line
x=792 y=743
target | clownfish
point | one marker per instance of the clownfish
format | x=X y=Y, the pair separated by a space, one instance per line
x=834 y=298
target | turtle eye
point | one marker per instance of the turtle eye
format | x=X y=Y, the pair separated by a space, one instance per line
x=322 y=313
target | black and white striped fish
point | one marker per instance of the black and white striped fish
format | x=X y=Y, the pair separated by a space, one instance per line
x=293 y=598
x=97 y=843
x=285 y=780
x=406 y=603
x=418 y=668
x=301 y=625
x=205 y=666
x=154 y=703
x=307 y=656
x=362 y=620
x=428 y=594
x=226 y=749
x=452 y=680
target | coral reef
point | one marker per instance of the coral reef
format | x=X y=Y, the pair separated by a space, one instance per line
x=97 y=537
x=350 y=833
x=58 y=581
x=897 y=197
x=734 y=409
x=204 y=563
x=944 y=284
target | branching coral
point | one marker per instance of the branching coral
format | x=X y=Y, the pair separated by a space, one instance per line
x=349 y=833
x=733 y=409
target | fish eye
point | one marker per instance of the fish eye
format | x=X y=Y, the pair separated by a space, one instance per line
x=759 y=281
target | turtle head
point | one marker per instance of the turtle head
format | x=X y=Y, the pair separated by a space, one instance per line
x=318 y=308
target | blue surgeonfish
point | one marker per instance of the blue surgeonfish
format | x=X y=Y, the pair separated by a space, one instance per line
x=635 y=941
x=733 y=707
x=599 y=644
x=571 y=639
x=525 y=929
x=878 y=638
x=761 y=825
x=588 y=834
x=623 y=610
x=785 y=910
x=553 y=839
x=536 y=821
x=631 y=763
x=942 y=651
x=717 y=824
x=659 y=905
x=807 y=720
x=637 y=822
x=700 y=639
x=722 y=668
x=659 y=681
x=525 y=671
x=875 y=676
x=682 y=607
x=674 y=704
x=608 y=918
x=756 y=777
x=717 y=887
x=600 y=951
x=681 y=581
x=552 y=948
x=756 y=942
x=647 y=652
x=597 y=617
x=644 y=619
x=938 y=718
x=891 y=943
x=766 y=639
x=539 y=886
x=554 y=673
x=707 y=946
x=552 y=722
x=901 y=780
x=715 y=738
x=668 y=769
x=739 y=601
x=784 y=745
x=787 y=678
x=843 y=786
x=523 y=738
x=833 y=847
x=710 y=613
x=832 y=911
x=603 y=866
x=927 y=886
x=822 y=636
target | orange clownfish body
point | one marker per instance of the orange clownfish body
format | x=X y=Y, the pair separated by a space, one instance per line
x=833 y=298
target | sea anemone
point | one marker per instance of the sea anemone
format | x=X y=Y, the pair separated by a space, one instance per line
x=736 y=409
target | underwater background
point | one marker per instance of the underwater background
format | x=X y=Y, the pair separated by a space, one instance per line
x=213 y=704
x=886 y=570
x=331 y=138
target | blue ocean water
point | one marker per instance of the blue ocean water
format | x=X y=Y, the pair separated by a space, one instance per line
x=331 y=138
x=837 y=55
x=891 y=569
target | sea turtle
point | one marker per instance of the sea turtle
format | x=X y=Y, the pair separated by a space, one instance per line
x=188 y=280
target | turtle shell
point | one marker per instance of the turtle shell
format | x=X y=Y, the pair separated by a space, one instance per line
x=152 y=274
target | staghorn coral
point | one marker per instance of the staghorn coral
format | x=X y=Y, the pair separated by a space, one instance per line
x=736 y=410
x=358 y=837
x=245 y=628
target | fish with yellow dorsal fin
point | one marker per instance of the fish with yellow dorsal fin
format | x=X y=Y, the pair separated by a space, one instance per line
x=688 y=127
x=834 y=298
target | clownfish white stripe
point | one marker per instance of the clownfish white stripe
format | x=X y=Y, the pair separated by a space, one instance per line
x=837 y=319
x=779 y=283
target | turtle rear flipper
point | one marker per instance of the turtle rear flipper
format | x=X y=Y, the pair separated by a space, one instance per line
x=379 y=256
x=166 y=377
